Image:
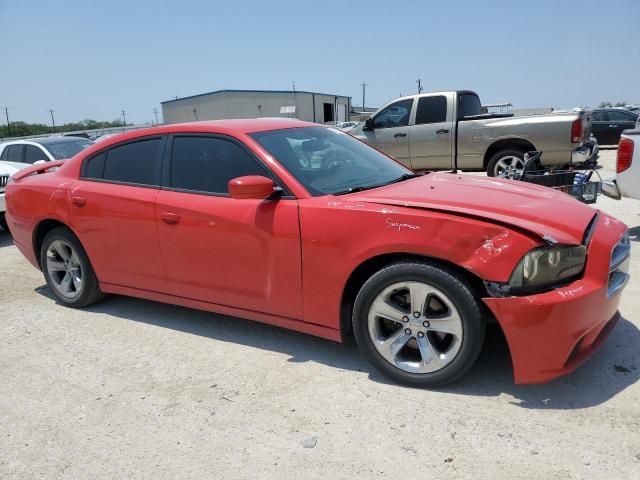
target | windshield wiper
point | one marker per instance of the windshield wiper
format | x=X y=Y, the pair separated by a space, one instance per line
x=405 y=176
x=360 y=188
x=355 y=189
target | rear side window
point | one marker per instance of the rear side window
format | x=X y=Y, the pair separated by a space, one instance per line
x=206 y=164
x=94 y=167
x=600 y=116
x=468 y=105
x=431 y=110
x=621 y=117
x=136 y=162
x=34 y=154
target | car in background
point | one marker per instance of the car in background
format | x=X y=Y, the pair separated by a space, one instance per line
x=627 y=181
x=227 y=216
x=6 y=170
x=609 y=123
x=346 y=126
x=448 y=130
x=37 y=150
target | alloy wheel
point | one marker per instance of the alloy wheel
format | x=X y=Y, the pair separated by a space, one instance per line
x=64 y=269
x=509 y=167
x=415 y=327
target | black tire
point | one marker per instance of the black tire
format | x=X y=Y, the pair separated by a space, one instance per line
x=461 y=295
x=90 y=292
x=3 y=223
x=507 y=152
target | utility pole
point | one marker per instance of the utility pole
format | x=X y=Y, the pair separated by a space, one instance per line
x=155 y=112
x=6 y=112
x=124 y=118
x=53 y=122
x=419 y=82
x=364 y=86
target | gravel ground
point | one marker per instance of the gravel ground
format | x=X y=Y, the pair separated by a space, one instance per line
x=132 y=388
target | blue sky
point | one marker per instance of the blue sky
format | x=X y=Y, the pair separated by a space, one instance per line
x=89 y=59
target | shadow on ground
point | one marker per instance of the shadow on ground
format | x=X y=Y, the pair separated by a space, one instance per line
x=608 y=373
x=5 y=239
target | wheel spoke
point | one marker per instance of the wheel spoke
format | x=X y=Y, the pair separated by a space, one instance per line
x=54 y=265
x=65 y=284
x=431 y=359
x=74 y=260
x=61 y=250
x=451 y=324
x=390 y=347
x=419 y=293
x=77 y=281
x=382 y=309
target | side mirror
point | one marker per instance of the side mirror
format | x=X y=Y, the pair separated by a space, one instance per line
x=251 y=186
x=368 y=124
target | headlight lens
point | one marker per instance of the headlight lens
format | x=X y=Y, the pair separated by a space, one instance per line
x=547 y=266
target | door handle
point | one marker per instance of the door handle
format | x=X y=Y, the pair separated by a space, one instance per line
x=79 y=201
x=613 y=126
x=170 y=218
x=442 y=130
x=399 y=135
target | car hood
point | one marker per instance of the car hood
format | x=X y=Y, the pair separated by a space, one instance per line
x=9 y=168
x=554 y=216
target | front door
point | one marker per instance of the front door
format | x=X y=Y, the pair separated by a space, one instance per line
x=113 y=212
x=620 y=120
x=238 y=253
x=390 y=130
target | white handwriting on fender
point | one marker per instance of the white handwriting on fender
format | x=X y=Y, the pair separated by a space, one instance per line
x=570 y=293
x=399 y=226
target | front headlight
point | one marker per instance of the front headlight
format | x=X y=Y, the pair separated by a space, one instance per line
x=547 y=267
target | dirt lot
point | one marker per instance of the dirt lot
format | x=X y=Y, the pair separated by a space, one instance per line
x=131 y=388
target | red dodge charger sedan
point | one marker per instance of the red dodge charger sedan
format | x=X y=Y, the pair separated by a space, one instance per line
x=301 y=226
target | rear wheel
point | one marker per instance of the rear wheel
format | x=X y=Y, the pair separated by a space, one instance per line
x=67 y=269
x=507 y=163
x=419 y=324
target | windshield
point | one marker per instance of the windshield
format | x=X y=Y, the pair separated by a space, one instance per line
x=328 y=161
x=62 y=150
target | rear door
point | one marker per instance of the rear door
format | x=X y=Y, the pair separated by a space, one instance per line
x=13 y=153
x=390 y=131
x=620 y=120
x=113 y=213
x=238 y=253
x=431 y=136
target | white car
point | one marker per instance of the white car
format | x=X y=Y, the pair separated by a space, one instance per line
x=627 y=181
x=18 y=154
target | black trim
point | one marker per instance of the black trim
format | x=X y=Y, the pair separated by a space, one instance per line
x=166 y=165
x=116 y=182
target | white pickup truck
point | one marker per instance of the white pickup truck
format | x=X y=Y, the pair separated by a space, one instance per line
x=627 y=181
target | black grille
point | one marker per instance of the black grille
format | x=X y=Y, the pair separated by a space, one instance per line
x=4 y=179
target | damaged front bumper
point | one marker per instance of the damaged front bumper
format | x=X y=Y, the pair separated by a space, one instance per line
x=551 y=334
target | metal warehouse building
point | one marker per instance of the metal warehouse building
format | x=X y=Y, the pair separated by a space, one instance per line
x=309 y=106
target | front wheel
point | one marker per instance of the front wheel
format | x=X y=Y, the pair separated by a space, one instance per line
x=419 y=324
x=507 y=163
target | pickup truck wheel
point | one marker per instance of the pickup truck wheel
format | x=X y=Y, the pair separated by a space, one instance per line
x=67 y=269
x=507 y=163
x=419 y=324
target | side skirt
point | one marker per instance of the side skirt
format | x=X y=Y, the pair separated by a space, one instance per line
x=288 y=323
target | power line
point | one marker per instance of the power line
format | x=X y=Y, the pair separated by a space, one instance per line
x=53 y=122
x=419 y=82
x=6 y=112
x=124 y=118
x=155 y=112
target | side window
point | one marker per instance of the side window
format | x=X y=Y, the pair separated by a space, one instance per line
x=137 y=162
x=431 y=110
x=34 y=154
x=94 y=166
x=14 y=153
x=395 y=115
x=621 y=117
x=600 y=117
x=468 y=105
x=206 y=164
x=4 y=154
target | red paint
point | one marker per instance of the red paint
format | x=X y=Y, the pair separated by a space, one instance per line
x=286 y=261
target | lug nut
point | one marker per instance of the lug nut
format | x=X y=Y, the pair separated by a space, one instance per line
x=408 y=331
x=426 y=324
x=420 y=334
x=405 y=319
x=416 y=314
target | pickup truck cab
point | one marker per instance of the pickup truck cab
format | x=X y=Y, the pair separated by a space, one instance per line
x=447 y=130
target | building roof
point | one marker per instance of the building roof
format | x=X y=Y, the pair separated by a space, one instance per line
x=289 y=92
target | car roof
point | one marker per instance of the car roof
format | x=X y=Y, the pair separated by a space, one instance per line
x=54 y=140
